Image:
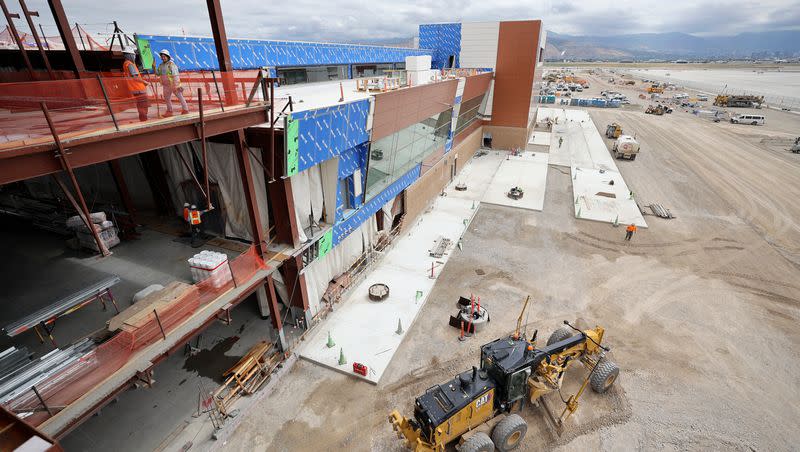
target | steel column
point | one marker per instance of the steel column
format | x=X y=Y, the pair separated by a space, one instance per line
x=28 y=17
x=282 y=201
x=295 y=281
x=66 y=37
x=64 y=160
x=10 y=19
x=246 y=172
x=221 y=44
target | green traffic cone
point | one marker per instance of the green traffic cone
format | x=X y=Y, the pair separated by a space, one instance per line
x=399 y=327
x=460 y=246
x=631 y=197
x=330 y=343
x=342 y=359
x=616 y=221
x=419 y=294
x=473 y=205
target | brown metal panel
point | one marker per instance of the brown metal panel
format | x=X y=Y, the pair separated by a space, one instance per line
x=397 y=110
x=517 y=52
x=476 y=85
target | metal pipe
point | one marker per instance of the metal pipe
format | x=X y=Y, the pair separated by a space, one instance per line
x=194 y=176
x=77 y=27
x=36 y=391
x=28 y=17
x=272 y=128
x=13 y=30
x=221 y=104
x=108 y=103
x=64 y=160
x=203 y=149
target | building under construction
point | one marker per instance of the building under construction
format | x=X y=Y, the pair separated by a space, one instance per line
x=303 y=160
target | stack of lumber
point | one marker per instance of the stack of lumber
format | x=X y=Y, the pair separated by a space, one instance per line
x=141 y=313
x=246 y=376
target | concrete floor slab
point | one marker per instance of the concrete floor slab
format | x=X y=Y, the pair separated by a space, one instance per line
x=528 y=172
x=598 y=189
x=540 y=138
x=366 y=331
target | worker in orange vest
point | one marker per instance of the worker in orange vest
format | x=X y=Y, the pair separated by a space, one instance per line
x=194 y=218
x=137 y=86
x=629 y=231
x=186 y=212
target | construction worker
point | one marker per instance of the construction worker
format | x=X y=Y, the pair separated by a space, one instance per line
x=194 y=218
x=629 y=231
x=560 y=140
x=186 y=212
x=137 y=86
x=171 y=82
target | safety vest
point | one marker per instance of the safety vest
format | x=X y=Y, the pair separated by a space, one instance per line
x=169 y=74
x=631 y=228
x=195 y=217
x=185 y=214
x=133 y=78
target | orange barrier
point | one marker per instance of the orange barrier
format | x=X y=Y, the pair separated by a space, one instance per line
x=106 y=102
x=77 y=379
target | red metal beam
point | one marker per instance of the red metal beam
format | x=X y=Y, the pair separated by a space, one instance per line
x=282 y=201
x=34 y=161
x=295 y=282
x=246 y=172
x=29 y=18
x=274 y=309
x=10 y=19
x=66 y=37
x=221 y=44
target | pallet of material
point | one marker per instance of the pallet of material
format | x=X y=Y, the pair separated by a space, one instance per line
x=246 y=376
x=140 y=313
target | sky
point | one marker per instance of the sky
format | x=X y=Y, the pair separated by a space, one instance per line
x=361 y=21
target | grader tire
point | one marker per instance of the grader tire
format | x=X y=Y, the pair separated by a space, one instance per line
x=479 y=442
x=604 y=376
x=509 y=433
x=559 y=335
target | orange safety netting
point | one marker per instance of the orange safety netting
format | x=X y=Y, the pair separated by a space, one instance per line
x=79 y=377
x=85 y=106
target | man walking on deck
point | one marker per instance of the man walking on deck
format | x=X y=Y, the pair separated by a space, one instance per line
x=171 y=82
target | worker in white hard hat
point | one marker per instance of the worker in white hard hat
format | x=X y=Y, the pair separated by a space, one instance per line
x=171 y=82
x=137 y=86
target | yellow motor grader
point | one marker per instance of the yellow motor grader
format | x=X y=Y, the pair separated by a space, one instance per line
x=476 y=407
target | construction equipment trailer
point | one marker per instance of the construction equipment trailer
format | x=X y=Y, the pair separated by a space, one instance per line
x=478 y=407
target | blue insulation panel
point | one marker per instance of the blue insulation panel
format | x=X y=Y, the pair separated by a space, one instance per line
x=444 y=39
x=345 y=227
x=325 y=132
x=349 y=161
x=194 y=53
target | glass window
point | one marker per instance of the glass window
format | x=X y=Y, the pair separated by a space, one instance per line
x=468 y=113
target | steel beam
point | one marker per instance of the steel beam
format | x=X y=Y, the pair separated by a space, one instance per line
x=28 y=17
x=246 y=172
x=295 y=281
x=25 y=163
x=10 y=19
x=221 y=44
x=65 y=165
x=66 y=37
x=282 y=201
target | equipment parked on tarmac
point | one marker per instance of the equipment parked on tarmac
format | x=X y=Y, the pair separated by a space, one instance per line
x=625 y=147
x=613 y=130
x=724 y=100
x=657 y=110
x=796 y=147
x=475 y=408
x=756 y=120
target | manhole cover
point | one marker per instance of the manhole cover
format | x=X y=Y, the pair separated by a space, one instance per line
x=378 y=292
x=480 y=271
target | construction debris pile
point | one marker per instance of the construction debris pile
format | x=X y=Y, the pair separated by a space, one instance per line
x=104 y=227
x=246 y=376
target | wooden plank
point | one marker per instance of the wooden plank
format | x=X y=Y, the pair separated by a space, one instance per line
x=140 y=312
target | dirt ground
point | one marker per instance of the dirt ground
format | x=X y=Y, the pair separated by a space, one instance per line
x=701 y=311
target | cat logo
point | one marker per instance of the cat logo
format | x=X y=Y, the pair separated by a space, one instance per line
x=483 y=400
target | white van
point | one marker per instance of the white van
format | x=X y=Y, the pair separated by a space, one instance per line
x=756 y=120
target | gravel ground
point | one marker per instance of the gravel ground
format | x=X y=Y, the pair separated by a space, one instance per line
x=701 y=311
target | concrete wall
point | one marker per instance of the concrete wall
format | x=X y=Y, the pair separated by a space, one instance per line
x=422 y=192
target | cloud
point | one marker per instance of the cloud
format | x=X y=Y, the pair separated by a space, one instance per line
x=356 y=20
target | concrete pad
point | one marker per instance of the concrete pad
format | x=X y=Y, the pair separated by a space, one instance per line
x=592 y=168
x=527 y=171
x=364 y=330
x=540 y=138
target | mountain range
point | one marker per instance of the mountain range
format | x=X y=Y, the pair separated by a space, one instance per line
x=780 y=44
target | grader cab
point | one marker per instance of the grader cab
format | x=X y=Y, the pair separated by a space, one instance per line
x=476 y=408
